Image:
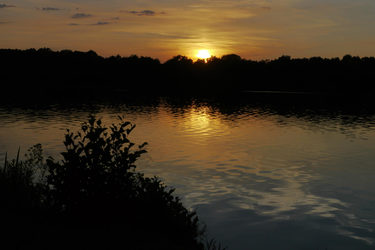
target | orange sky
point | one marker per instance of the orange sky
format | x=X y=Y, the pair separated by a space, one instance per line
x=256 y=29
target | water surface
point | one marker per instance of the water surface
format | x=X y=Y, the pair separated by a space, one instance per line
x=260 y=175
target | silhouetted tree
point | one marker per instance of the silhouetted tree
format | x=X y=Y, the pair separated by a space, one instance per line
x=58 y=73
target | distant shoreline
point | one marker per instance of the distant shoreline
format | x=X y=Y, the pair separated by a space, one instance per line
x=27 y=71
x=280 y=92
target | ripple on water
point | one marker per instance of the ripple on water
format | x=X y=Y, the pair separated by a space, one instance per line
x=254 y=170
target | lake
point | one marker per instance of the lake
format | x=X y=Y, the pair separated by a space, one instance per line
x=261 y=172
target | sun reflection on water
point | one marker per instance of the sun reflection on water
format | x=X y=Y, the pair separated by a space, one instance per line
x=272 y=166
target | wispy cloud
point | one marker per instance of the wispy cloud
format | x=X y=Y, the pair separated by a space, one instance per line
x=50 y=9
x=81 y=15
x=174 y=36
x=101 y=23
x=3 y=5
x=144 y=12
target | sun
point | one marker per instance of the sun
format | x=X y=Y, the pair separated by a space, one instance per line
x=203 y=54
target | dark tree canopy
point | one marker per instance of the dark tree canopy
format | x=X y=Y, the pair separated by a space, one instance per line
x=61 y=71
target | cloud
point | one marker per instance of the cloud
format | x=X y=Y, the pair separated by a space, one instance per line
x=3 y=5
x=174 y=36
x=81 y=15
x=50 y=9
x=101 y=23
x=144 y=12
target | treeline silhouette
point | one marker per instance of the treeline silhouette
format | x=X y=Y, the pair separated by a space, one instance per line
x=65 y=70
x=94 y=198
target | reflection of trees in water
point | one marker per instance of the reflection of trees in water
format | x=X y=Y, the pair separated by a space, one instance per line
x=267 y=186
x=313 y=112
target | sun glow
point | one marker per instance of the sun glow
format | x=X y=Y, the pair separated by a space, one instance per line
x=203 y=54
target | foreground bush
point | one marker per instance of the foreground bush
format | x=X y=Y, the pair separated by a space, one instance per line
x=93 y=198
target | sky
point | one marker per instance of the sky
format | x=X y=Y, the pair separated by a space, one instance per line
x=253 y=29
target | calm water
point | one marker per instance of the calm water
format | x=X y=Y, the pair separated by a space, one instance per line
x=261 y=176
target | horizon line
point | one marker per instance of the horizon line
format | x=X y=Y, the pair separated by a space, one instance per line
x=189 y=58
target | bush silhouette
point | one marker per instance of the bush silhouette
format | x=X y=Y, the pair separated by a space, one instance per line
x=95 y=199
x=98 y=162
